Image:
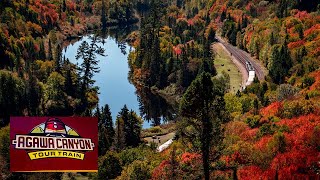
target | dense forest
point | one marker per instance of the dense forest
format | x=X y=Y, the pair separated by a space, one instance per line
x=270 y=130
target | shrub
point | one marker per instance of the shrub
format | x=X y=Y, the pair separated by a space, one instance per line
x=278 y=143
x=266 y=129
x=109 y=166
x=307 y=81
x=156 y=129
x=297 y=108
x=286 y=91
x=137 y=170
x=252 y=121
x=313 y=93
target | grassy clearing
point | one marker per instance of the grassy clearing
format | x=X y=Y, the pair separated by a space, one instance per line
x=223 y=62
x=158 y=130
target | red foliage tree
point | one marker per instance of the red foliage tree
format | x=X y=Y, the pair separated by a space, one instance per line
x=271 y=110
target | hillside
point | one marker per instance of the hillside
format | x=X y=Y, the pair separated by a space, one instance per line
x=270 y=130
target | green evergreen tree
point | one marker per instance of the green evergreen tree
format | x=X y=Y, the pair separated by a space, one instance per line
x=211 y=35
x=88 y=53
x=69 y=85
x=55 y=100
x=239 y=40
x=58 y=58
x=280 y=63
x=119 y=141
x=155 y=62
x=64 y=6
x=34 y=95
x=12 y=99
x=133 y=129
x=272 y=40
x=202 y=106
x=50 y=56
x=42 y=52
x=106 y=130
x=104 y=16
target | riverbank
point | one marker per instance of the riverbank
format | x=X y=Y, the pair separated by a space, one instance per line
x=172 y=94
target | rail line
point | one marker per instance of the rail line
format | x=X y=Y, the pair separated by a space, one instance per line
x=247 y=61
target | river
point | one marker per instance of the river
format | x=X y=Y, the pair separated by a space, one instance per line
x=115 y=88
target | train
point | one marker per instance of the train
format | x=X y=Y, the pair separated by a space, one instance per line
x=251 y=73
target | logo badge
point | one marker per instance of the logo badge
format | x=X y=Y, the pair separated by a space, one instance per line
x=54 y=139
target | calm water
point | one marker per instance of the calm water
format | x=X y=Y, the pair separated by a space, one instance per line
x=114 y=86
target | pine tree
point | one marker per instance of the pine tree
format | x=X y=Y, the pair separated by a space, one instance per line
x=207 y=66
x=119 y=141
x=42 y=52
x=103 y=16
x=155 y=62
x=108 y=126
x=233 y=35
x=64 y=6
x=12 y=99
x=223 y=16
x=133 y=129
x=69 y=86
x=184 y=77
x=280 y=63
x=50 y=57
x=275 y=70
x=239 y=40
x=34 y=95
x=88 y=53
x=202 y=105
x=244 y=22
x=98 y=115
x=272 y=40
x=211 y=35
x=58 y=58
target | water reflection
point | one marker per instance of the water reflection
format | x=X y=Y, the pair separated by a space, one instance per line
x=154 y=108
x=115 y=88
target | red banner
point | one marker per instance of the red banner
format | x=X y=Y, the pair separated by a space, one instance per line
x=53 y=144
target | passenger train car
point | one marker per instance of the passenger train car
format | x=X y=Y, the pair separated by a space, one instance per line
x=251 y=73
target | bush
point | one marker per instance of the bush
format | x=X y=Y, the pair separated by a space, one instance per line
x=247 y=102
x=253 y=121
x=286 y=91
x=109 y=166
x=138 y=170
x=156 y=129
x=313 y=93
x=307 y=81
x=278 y=143
x=297 y=108
x=266 y=129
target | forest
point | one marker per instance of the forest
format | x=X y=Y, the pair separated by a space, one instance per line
x=269 y=130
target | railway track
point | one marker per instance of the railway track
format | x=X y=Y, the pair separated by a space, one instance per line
x=243 y=57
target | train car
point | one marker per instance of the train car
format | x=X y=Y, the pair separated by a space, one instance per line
x=250 y=77
x=249 y=66
x=251 y=73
